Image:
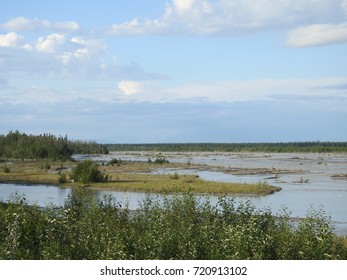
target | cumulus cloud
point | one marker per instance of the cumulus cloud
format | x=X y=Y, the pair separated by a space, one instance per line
x=9 y=40
x=83 y=49
x=50 y=43
x=88 y=46
x=60 y=55
x=47 y=43
x=26 y=24
x=222 y=17
x=321 y=21
x=317 y=35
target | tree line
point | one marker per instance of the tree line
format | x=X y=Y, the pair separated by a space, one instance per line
x=280 y=147
x=47 y=146
x=44 y=146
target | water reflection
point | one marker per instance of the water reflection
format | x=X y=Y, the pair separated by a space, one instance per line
x=41 y=195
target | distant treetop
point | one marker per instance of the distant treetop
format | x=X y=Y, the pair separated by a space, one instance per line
x=280 y=147
x=44 y=146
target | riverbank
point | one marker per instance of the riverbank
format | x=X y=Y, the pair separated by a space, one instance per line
x=128 y=176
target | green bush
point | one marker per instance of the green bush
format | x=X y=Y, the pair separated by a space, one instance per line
x=164 y=227
x=87 y=172
x=45 y=166
x=6 y=169
x=115 y=161
x=161 y=160
x=62 y=178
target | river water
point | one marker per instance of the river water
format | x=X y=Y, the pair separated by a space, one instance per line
x=321 y=190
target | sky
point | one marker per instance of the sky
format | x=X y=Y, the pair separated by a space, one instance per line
x=173 y=71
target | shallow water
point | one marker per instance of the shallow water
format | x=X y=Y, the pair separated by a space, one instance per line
x=321 y=191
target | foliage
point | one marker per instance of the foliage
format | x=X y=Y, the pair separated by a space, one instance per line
x=161 y=160
x=6 y=169
x=22 y=146
x=45 y=166
x=87 y=172
x=62 y=178
x=115 y=161
x=175 y=227
x=286 y=147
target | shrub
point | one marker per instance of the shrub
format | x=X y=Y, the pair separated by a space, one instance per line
x=87 y=172
x=161 y=160
x=62 y=178
x=175 y=176
x=115 y=161
x=164 y=227
x=45 y=166
x=6 y=169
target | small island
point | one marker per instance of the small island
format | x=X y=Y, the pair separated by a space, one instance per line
x=46 y=159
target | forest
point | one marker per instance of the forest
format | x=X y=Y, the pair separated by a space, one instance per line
x=280 y=147
x=17 y=145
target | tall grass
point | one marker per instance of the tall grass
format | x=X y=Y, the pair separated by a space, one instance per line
x=175 y=227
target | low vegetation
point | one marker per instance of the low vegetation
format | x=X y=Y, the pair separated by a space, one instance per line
x=176 y=227
x=123 y=176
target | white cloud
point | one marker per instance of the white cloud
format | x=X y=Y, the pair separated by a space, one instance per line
x=223 y=17
x=130 y=87
x=183 y=6
x=9 y=40
x=88 y=47
x=26 y=24
x=265 y=89
x=240 y=91
x=317 y=35
x=50 y=43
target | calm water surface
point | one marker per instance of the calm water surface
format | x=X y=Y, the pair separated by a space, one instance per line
x=322 y=191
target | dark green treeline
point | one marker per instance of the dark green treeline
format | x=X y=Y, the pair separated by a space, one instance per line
x=47 y=146
x=285 y=147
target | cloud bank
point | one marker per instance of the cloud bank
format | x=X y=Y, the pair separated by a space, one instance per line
x=228 y=18
x=26 y=24
x=317 y=35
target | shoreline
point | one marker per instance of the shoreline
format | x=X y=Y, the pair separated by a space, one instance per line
x=134 y=177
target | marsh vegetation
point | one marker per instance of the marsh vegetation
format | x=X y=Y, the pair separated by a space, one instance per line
x=179 y=227
x=123 y=176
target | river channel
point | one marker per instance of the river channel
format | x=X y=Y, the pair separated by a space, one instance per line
x=310 y=184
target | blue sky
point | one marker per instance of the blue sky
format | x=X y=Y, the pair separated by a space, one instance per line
x=175 y=70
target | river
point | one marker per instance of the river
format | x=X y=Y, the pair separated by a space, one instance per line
x=310 y=185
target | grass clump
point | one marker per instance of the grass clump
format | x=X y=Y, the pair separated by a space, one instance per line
x=164 y=227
